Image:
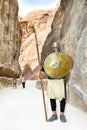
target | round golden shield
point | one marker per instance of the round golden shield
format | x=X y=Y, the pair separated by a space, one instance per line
x=57 y=65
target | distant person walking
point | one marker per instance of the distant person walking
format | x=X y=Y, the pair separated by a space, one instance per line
x=23 y=80
x=14 y=82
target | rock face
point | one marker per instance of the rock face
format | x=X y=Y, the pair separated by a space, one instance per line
x=74 y=42
x=41 y=20
x=69 y=28
x=10 y=38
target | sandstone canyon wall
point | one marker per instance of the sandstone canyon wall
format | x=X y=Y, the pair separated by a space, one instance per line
x=41 y=20
x=10 y=39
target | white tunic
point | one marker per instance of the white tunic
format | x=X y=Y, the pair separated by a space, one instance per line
x=55 y=89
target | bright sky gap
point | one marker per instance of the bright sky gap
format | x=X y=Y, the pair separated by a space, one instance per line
x=26 y=6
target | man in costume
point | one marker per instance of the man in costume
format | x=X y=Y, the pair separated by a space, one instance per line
x=56 y=90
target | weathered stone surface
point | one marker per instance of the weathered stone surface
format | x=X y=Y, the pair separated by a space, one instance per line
x=10 y=38
x=38 y=84
x=41 y=20
x=8 y=82
x=74 y=41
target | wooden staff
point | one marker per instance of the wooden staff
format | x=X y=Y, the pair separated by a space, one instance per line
x=40 y=75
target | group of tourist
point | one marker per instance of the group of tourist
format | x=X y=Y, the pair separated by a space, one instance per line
x=23 y=80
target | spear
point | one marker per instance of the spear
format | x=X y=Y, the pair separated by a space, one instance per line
x=40 y=75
